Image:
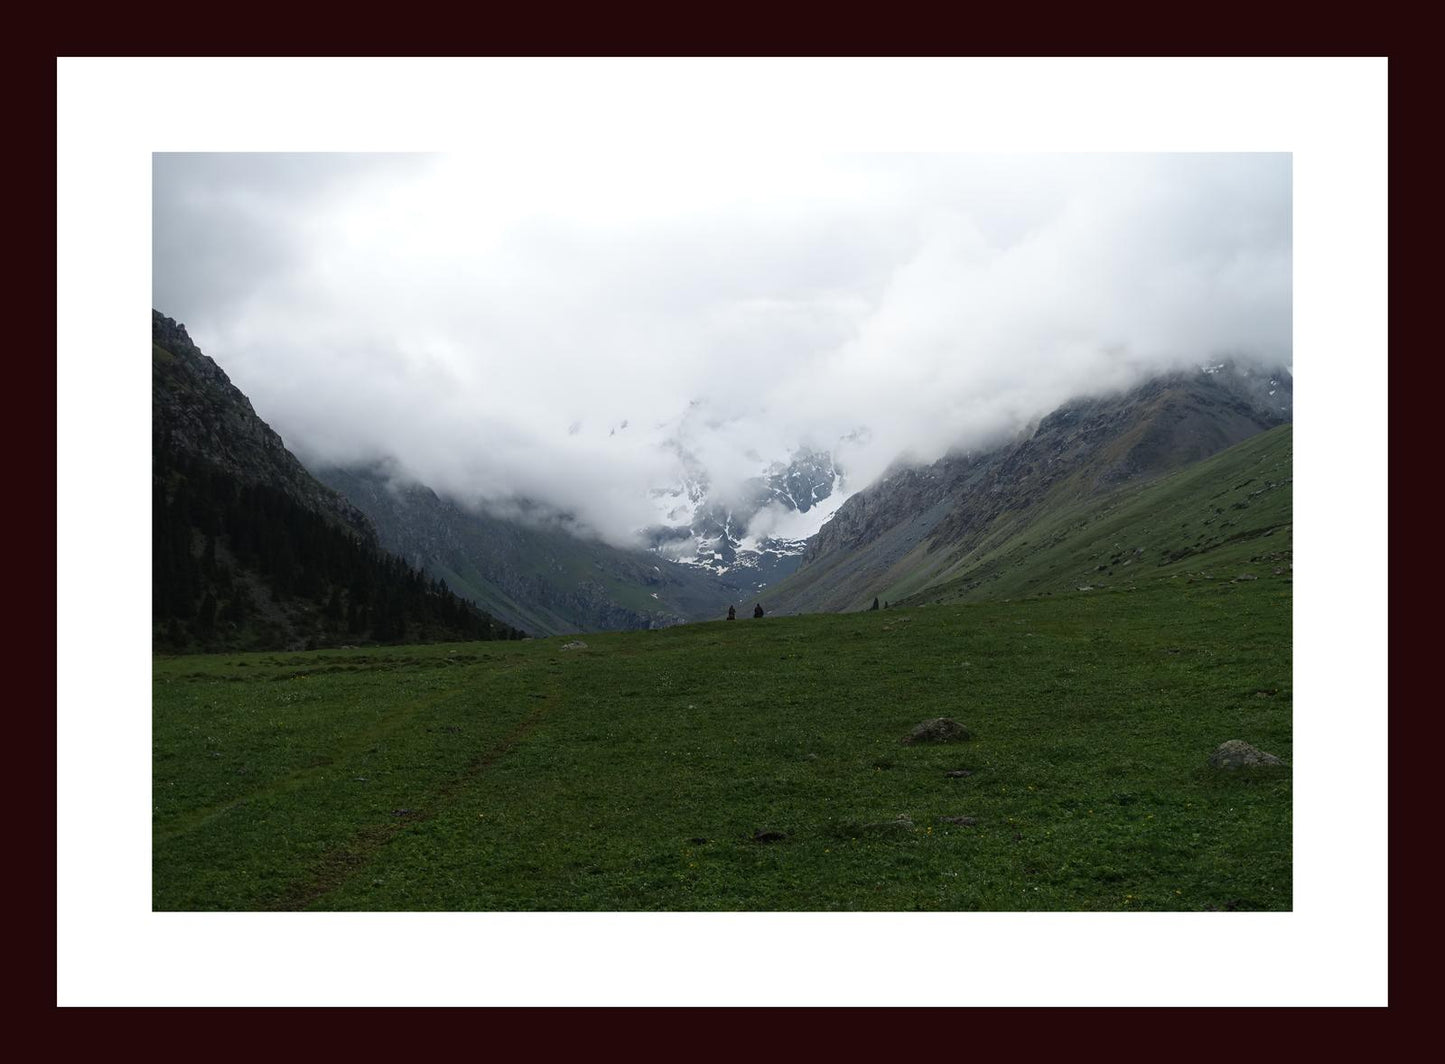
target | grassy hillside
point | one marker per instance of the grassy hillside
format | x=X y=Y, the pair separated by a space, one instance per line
x=748 y=765
x=920 y=527
x=1227 y=517
x=1223 y=517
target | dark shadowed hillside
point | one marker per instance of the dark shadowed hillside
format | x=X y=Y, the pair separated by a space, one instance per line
x=249 y=550
x=197 y=414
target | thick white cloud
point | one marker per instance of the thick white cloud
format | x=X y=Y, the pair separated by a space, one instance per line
x=492 y=322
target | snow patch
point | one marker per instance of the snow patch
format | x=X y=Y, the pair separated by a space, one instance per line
x=776 y=522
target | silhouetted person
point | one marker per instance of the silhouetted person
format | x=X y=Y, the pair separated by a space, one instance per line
x=875 y=604
x=732 y=613
x=758 y=610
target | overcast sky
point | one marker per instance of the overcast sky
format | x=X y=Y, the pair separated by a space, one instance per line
x=493 y=322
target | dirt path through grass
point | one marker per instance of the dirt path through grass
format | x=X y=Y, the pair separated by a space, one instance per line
x=339 y=865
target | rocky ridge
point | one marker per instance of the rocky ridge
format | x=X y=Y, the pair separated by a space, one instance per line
x=198 y=413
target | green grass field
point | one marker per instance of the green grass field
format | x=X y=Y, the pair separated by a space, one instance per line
x=638 y=773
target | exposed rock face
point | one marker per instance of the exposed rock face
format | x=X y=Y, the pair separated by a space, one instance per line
x=938 y=730
x=805 y=481
x=199 y=413
x=1236 y=754
x=904 y=497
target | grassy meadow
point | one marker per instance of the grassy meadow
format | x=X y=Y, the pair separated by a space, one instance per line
x=750 y=765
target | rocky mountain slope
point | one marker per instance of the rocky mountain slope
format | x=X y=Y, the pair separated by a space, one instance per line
x=919 y=526
x=249 y=550
x=747 y=539
x=198 y=414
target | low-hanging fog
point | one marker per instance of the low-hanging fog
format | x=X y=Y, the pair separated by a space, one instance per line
x=576 y=330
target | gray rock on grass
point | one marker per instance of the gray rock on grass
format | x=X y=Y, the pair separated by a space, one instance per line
x=938 y=730
x=1236 y=753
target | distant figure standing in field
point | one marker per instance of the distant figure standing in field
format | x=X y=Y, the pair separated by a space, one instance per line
x=732 y=613
x=758 y=610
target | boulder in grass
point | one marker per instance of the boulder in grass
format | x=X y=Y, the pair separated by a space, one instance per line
x=938 y=730
x=1239 y=754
